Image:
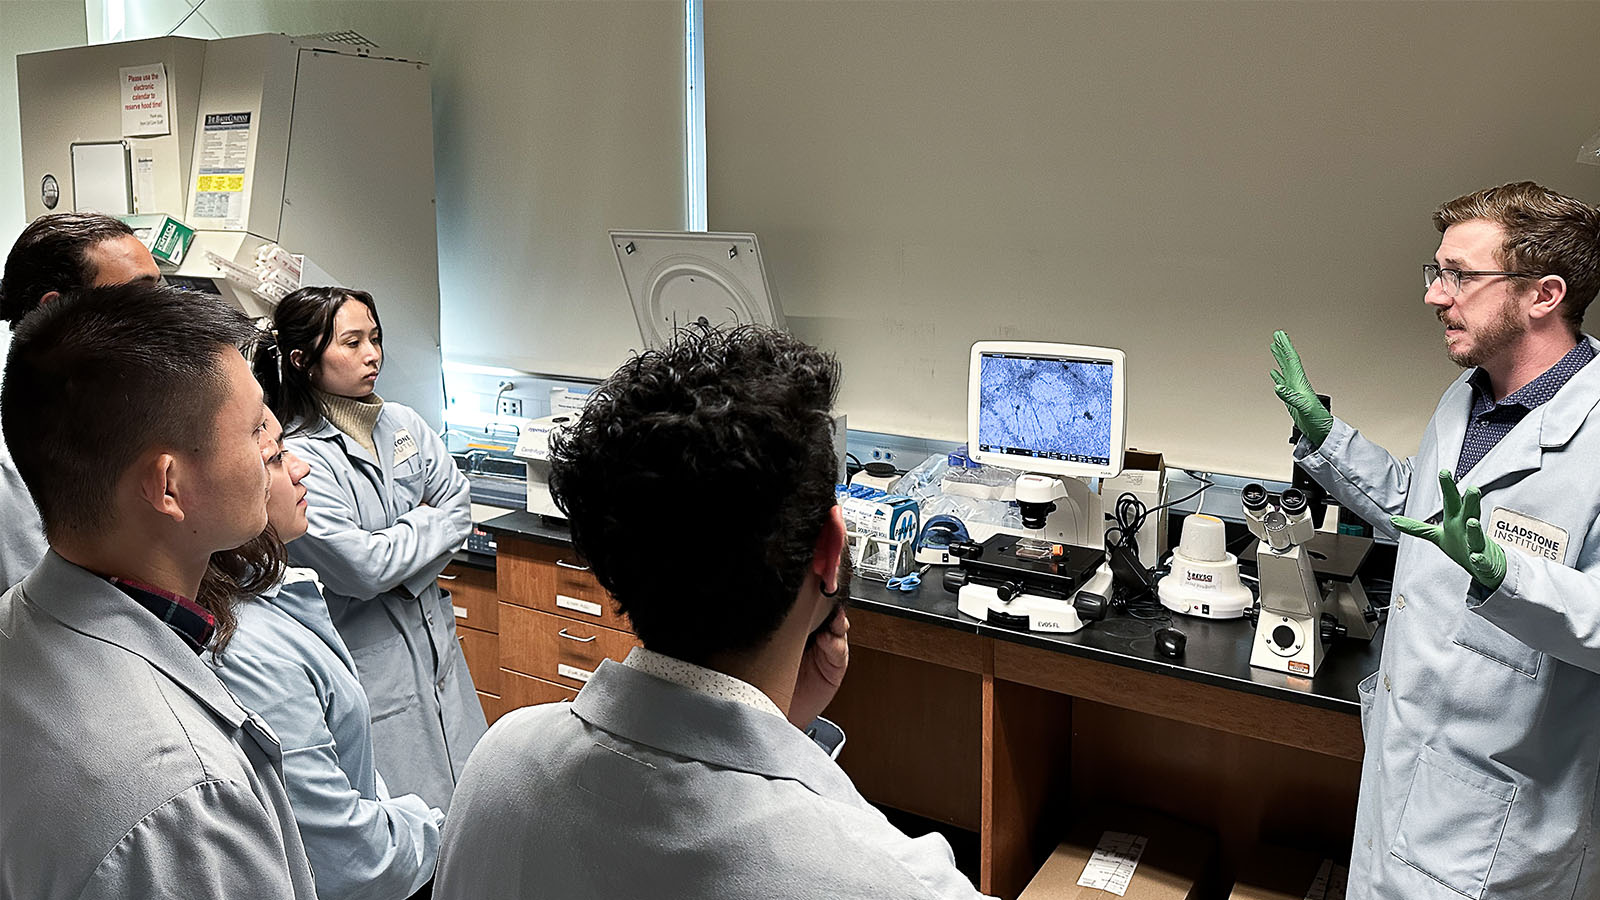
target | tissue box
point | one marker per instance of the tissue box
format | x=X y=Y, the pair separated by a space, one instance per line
x=870 y=511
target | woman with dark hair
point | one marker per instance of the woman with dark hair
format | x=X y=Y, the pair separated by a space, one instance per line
x=287 y=663
x=387 y=509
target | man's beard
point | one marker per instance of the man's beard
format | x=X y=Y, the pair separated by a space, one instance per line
x=1492 y=337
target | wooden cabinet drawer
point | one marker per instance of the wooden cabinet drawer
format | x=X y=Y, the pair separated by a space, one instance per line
x=472 y=590
x=482 y=651
x=525 y=690
x=555 y=580
x=557 y=649
x=492 y=706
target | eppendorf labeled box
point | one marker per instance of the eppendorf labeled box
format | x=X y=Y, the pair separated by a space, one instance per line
x=1132 y=853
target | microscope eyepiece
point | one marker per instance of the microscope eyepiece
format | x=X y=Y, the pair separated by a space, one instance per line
x=1254 y=497
x=1294 y=501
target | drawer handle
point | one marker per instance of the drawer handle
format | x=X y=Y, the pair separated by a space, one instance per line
x=573 y=637
x=566 y=565
x=448 y=577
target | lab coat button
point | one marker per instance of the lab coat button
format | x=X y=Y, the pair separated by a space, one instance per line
x=1400 y=601
x=1386 y=685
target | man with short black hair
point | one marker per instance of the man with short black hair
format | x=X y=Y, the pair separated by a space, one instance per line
x=56 y=253
x=129 y=770
x=699 y=483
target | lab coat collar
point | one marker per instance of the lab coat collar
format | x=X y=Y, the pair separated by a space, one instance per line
x=648 y=710
x=91 y=605
x=327 y=431
x=1548 y=427
x=299 y=596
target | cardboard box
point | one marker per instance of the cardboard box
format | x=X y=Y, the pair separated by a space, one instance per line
x=1144 y=474
x=1281 y=873
x=1172 y=863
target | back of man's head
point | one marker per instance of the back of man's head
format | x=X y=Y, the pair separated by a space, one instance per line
x=1547 y=233
x=52 y=254
x=100 y=376
x=697 y=482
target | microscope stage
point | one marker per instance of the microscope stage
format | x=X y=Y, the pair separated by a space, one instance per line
x=1063 y=575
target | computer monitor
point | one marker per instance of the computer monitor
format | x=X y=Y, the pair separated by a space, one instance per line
x=1056 y=409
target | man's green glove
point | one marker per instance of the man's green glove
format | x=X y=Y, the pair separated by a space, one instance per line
x=1310 y=416
x=1460 y=534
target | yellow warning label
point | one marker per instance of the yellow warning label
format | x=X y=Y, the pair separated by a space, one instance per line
x=214 y=183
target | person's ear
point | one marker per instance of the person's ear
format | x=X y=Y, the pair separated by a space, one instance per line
x=296 y=359
x=829 y=549
x=160 y=486
x=49 y=297
x=1552 y=289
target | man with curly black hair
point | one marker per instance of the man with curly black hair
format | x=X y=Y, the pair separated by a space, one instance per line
x=699 y=484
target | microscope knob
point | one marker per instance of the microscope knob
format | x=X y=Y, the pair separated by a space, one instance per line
x=954 y=578
x=966 y=549
x=1252 y=614
x=1008 y=592
x=1331 y=628
x=1090 y=607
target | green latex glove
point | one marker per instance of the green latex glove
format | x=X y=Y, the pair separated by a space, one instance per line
x=1310 y=416
x=1460 y=534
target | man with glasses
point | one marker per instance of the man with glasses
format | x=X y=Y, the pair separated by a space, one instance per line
x=1482 y=722
x=56 y=254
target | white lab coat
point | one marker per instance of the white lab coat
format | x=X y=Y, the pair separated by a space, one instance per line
x=381 y=531
x=287 y=663
x=22 y=542
x=644 y=788
x=1483 y=719
x=128 y=770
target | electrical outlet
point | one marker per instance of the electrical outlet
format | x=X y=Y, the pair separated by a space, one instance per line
x=879 y=454
x=510 y=407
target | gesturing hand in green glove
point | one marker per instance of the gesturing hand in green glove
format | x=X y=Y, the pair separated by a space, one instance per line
x=1310 y=416
x=1460 y=534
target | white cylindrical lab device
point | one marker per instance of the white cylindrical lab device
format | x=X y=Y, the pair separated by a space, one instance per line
x=1204 y=580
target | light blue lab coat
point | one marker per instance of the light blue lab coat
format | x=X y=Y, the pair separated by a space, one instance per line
x=22 y=542
x=645 y=788
x=126 y=768
x=381 y=531
x=287 y=663
x=1483 y=720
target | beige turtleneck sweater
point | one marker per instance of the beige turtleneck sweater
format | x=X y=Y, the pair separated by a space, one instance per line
x=355 y=417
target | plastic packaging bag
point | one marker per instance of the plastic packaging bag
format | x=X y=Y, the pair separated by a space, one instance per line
x=928 y=482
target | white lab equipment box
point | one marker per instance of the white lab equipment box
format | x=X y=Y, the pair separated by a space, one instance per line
x=326 y=150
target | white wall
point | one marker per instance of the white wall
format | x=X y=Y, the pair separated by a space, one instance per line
x=1176 y=179
x=25 y=26
x=553 y=121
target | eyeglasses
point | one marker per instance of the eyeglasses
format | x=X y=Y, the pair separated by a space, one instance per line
x=1452 y=277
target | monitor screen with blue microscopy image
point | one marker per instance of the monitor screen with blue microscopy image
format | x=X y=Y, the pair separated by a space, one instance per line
x=1048 y=408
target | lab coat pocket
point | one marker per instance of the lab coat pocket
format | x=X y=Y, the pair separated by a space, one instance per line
x=1367 y=692
x=410 y=481
x=1483 y=638
x=384 y=670
x=1452 y=822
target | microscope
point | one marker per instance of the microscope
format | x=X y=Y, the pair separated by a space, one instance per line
x=1054 y=412
x=1297 y=617
x=1052 y=576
